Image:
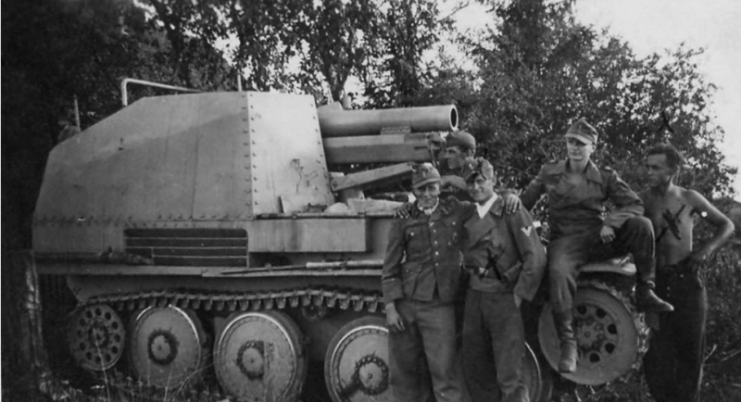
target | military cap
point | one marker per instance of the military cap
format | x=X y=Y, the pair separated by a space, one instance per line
x=425 y=174
x=461 y=139
x=480 y=167
x=582 y=131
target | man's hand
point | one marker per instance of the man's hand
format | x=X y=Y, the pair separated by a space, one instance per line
x=393 y=319
x=406 y=211
x=512 y=203
x=518 y=300
x=454 y=181
x=607 y=234
x=696 y=260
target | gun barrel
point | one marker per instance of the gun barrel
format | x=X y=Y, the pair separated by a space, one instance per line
x=335 y=122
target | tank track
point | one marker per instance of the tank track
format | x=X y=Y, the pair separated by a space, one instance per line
x=642 y=329
x=229 y=302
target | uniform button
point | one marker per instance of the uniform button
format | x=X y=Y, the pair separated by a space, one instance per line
x=435 y=242
x=436 y=253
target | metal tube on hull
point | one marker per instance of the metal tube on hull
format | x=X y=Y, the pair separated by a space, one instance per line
x=335 y=122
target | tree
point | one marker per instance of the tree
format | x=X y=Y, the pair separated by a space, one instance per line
x=541 y=70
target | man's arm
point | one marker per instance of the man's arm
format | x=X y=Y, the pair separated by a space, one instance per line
x=391 y=274
x=532 y=254
x=627 y=203
x=453 y=180
x=534 y=190
x=723 y=226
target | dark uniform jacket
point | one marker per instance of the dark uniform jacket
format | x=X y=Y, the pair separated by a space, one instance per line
x=424 y=255
x=571 y=208
x=511 y=244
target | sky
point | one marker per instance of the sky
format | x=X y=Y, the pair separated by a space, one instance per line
x=652 y=26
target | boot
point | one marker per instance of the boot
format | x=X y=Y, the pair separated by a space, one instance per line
x=565 y=330
x=648 y=302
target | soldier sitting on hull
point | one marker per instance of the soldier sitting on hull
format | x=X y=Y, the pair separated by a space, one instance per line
x=673 y=364
x=421 y=273
x=577 y=190
x=508 y=261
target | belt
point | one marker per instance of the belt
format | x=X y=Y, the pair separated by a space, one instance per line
x=484 y=272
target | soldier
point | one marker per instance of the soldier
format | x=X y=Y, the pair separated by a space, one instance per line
x=577 y=190
x=458 y=155
x=459 y=160
x=420 y=279
x=673 y=364
x=508 y=261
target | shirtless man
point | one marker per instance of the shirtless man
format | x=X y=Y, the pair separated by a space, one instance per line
x=673 y=364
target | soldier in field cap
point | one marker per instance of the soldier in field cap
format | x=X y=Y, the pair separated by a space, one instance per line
x=507 y=261
x=581 y=232
x=458 y=159
x=421 y=274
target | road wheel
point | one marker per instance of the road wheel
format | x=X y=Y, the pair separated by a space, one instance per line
x=167 y=347
x=261 y=356
x=606 y=337
x=356 y=367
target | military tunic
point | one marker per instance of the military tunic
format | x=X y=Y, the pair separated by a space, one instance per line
x=576 y=217
x=421 y=273
x=493 y=332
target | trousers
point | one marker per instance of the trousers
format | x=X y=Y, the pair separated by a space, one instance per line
x=569 y=252
x=493 y=347
x=429 y=337
x=673 y=363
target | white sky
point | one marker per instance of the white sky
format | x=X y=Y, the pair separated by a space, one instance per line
x=655 y=25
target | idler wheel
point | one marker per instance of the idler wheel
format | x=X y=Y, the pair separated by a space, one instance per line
x=356 y=367
x=96 y=337
x=606 y=337
x=260 y=356
x=167 y=347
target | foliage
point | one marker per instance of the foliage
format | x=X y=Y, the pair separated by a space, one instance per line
x=536 y=72
x=541 y=70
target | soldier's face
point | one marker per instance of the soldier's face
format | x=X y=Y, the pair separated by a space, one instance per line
x=455 y=157
x=480 y=189
x=427 y=194
x=658 y=171
x=578 y=150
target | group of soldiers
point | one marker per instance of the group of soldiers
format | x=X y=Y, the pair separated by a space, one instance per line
x=490 y=238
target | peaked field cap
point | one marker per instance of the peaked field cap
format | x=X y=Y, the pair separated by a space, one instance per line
x=480 y=167
x=583 y=131
x=423 y=174
x=462 y=139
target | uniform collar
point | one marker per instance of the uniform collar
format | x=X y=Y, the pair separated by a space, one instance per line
x=484 y=209
x=592 y=172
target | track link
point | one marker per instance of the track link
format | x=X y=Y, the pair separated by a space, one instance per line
x=228 y=302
